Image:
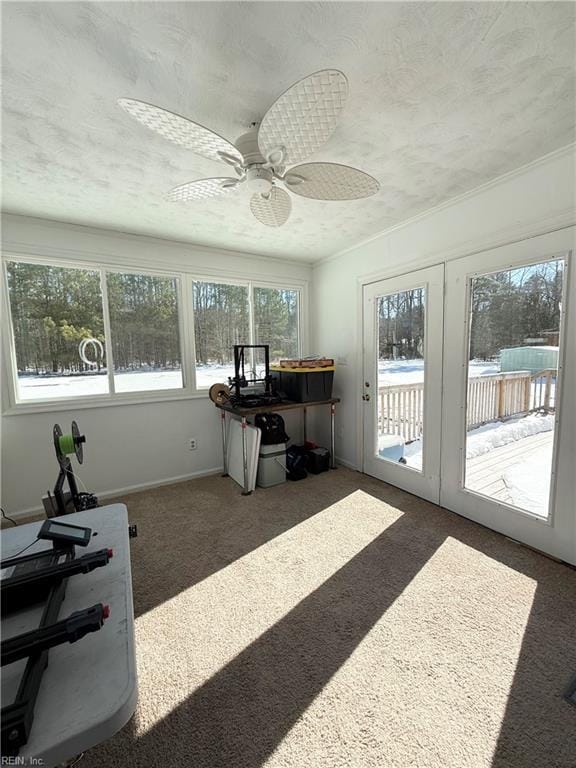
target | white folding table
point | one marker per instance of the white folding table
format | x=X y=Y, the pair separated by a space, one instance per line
x=89 y=688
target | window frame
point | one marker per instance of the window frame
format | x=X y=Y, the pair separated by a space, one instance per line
x=108 y=331
x=11 y=404
x=250 y=284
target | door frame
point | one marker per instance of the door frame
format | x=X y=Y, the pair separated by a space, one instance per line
x=425 y=483
x=555 y=535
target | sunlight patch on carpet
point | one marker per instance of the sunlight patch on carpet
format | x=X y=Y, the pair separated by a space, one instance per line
x=186 y=640
x=432 y=676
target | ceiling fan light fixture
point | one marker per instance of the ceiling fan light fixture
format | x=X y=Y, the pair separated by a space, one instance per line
x=259 y=180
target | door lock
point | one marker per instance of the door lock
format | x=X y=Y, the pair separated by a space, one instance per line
x=366 y=397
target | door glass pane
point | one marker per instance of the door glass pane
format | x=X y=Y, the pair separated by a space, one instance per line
x=400 y=410
x=221 y=319
x=512 y=377
x=58 y=329
x=145 y=332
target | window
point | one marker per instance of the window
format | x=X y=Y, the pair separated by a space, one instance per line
x=514 y=338
x=58 y=327
x=221 y=319
x=144 y=332
x=276 y=321
x=81 y=331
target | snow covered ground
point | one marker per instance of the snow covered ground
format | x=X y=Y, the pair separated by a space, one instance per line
x=392 y=372
x=206 y=375
x=494 y=435
x=52 y=387
x=484 y=439
x=528 y=482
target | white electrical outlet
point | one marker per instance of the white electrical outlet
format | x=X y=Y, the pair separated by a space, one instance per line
x=192 y=445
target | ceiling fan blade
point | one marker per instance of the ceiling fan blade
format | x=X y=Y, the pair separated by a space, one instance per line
x=330 y=181
x=202 y=189
x=180 y=130
x=272 y=210
x=304 y=117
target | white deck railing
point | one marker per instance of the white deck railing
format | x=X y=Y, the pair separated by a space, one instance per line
x=490 y=398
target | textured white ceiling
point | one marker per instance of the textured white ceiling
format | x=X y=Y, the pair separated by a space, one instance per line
x=444 y=97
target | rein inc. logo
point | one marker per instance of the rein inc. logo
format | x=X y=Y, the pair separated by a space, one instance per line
x=19 y=760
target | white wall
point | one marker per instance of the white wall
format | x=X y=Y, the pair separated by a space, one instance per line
x=536 y=199
x=151 y=439
x=128 y=445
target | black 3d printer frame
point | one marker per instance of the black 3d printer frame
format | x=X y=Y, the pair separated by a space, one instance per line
x=240 y=379
x=27 y=588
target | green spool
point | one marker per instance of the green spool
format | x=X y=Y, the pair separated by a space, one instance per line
x=66 y=444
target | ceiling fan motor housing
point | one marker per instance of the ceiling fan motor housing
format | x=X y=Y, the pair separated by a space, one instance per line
x=259 y=179
x=247 y=145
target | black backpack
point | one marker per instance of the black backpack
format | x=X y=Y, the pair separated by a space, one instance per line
x=296 y=460
x=272 y=427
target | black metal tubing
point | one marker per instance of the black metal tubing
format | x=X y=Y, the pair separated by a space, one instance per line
x=56 y=555
x=27 y=588
x=17 y=718
x=68 y=630
x=240 y=379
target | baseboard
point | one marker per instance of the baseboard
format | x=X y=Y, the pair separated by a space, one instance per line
x=158 y=483
x=347 y=464
x=35 y=511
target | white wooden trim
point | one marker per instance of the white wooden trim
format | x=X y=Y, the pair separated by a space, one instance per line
x=103 y=401
x=107 y=334
x=95 y=260
x=188 y=338
x=138 y=238
x=9 y=350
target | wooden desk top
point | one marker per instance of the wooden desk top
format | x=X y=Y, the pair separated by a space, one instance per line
x=285 y=406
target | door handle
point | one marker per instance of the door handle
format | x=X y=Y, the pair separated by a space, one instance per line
x=366 y=397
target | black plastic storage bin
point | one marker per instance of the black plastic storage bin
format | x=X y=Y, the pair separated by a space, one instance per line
x=318 y=460
x=304 y=385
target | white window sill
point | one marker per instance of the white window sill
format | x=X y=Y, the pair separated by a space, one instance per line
x=105 y=401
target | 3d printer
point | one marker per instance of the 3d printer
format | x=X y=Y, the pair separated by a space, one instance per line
x=259 y=395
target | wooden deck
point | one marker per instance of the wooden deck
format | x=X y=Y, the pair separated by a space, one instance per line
x=484 y=473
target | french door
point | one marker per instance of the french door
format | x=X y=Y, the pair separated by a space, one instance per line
x=469 y=391
x=509 y=392
x=403 y=380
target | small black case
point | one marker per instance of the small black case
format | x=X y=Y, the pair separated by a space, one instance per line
x=318 y=460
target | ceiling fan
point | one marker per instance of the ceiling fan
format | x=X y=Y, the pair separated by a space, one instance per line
x=296 y=125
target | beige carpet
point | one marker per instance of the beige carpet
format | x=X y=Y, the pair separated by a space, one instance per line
x=339 y=622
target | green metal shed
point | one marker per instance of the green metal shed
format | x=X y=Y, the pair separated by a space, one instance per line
x=531 y=359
